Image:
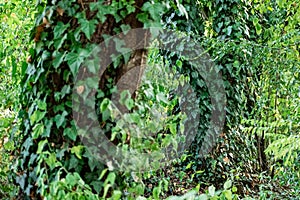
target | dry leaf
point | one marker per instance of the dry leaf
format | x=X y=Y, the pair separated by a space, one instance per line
x=29 y=59
x=226 y=159
x=60 y=11
x=46 y=22
x=80 y=89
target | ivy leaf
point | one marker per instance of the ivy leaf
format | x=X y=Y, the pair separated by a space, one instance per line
x=227 y=184
x=211 y=190
x=104 y=104
x=21 y=180
x=38 y=129
x=59 y=119
x=173 y=128
x=229 y=30
x=58 y=59
x=72 y=134
x=41 y=146
x=42 y=105
x=72 y=179
x=234 y=189
x=142 y=17
x=154 y=9
x=162 y=98
x=130 y=9
x=110 y=178
x=121 y=46
x=258 y=27
x=97 y=185
x=125 y=28
x=74 y=62
x=156 y=192
x=203 y=197
x=9 y=145
x=73 y=163
x=77 y=150
x=88 y=27
x=37 y=116
x=92 y=162
x=59 y=42
x=48 y=124
x=94 y=6
x=65 y=90
x=52 y=162
x=60 y=28
x=228 y=194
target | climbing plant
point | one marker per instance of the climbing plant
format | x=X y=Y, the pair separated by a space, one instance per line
x=62 y=73
x=51 y=160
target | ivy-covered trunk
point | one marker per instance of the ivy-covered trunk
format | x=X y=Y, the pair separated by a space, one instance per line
x=50 y=159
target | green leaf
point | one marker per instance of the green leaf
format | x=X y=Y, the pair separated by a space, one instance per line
x=227 y=184
x=125 y=28
x=37 y=130
x=211 y=190
x=48 y=124
x=116 y=195
x=74 y=61
x=121 y=46
x=155 y=10
x=42 y=105
x=156 y=192
x=110 y=178
x=106 y=187
x=58 y=59
x=103 y=173
x=203 y=197
x=77 y=150
x=160 y=97
x=72 y=134
x=104 y=104
x=134 y=117
x=234 y=189
x=37 y=116
x=173 y=128
x=179 y=63
x=73 y=162
x=129 y=103
x=143 y=17
x=65 y=90
x=72 y=179
x=227 y=194
x=9 y=145
x=94 y=6
x=60 y=41
x=51 y=161
x=130 y=8
x=98 y=185
x=60 y=28
x=41 y=146
x=59 y=119
x=88 y=27
x=229 y=30
x=257 y=26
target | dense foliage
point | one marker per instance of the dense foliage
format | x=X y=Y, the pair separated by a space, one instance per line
x=17 y=19
x=253 y=44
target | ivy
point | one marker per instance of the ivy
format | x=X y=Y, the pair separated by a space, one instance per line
x=243 y=39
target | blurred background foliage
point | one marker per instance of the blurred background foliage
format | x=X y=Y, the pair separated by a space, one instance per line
x=17 y=20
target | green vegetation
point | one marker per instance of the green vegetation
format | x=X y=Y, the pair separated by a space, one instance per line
x=49 y=73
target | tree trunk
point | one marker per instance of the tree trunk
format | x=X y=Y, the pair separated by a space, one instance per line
x=48 y=129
